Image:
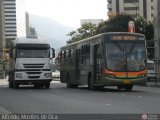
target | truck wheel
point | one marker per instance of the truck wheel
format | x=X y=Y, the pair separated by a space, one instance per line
x=10 y=84
x=69 y=85
x=16 y=85
x=10 y=80
x=47 y=85
x=36 y=85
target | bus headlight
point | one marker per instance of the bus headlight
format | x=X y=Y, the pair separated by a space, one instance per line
x=48 y=75
x=110 y=75
x=18 y=75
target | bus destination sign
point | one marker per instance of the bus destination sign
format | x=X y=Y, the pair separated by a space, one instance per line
x=127 y=37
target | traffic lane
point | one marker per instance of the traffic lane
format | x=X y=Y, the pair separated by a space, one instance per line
x=140 y=100
x=61 y=100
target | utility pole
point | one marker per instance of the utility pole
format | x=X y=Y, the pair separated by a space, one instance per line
x=157 y=37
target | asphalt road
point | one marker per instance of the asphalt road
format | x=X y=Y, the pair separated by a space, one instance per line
x=61 y=100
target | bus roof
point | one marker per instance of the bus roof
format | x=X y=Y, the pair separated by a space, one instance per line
x=98 y=36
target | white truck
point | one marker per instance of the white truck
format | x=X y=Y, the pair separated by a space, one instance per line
x=29 y=63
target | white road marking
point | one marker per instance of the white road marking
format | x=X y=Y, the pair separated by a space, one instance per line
x=108 y=104
x=4 y=111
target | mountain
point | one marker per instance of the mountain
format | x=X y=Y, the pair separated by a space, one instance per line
x=50 y=29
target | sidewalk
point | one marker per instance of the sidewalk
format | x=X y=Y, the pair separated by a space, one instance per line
x=153 y=84
x=4 y=81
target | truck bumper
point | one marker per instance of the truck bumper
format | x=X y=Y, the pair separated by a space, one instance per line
x=26 y=82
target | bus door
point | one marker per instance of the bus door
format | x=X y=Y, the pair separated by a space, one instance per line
x=77 y=67
x=96 y=63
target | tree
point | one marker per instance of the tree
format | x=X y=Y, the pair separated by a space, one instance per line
x=119 y=23
x=86 y=30
x=144 y=27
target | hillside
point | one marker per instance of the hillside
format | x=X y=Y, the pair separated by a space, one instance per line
x=50 y=29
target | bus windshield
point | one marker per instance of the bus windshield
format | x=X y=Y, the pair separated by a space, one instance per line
x=125 y=56
x=32 y=53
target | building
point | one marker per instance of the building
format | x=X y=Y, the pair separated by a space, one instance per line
x=30 y=31
x=14 y=16
x=133 y=7
x=2 y=37
x=157 y=39
x=93 y=21
x=27 y=23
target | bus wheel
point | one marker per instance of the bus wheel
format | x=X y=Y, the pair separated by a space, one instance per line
x=128 y=87
x=91 y=83
x=69 y=85
x=120 y=87
x=68 y=82
x=10 y=84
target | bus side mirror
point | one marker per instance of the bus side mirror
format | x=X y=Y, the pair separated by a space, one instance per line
x=53 y=52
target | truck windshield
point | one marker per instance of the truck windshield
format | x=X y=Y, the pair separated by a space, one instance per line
x=125 y=56
x=33 y=53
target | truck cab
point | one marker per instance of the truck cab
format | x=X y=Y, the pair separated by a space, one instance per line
x=29 y=63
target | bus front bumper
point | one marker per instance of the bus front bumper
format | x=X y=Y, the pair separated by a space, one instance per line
x=125 y=81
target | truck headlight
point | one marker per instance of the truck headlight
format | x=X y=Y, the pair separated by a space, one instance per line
x=48 y=75
x=18 y=75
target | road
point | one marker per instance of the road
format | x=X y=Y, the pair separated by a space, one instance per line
x=61 y=100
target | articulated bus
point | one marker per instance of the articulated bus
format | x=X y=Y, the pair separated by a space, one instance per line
x=108 y=59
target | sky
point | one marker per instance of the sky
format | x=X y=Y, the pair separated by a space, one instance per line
x=68 y=12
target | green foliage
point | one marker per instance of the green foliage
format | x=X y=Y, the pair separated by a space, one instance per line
x=144 y=27
x=117 y=23
x=86 y=30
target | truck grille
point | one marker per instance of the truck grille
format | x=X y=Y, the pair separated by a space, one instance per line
x=33 y=77
x=33 y=66
x=33 y=70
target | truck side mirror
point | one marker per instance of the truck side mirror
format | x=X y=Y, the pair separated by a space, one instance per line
x=12 y=53
x=53 y=52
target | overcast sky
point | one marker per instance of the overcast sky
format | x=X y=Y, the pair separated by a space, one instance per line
x=68 y=12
